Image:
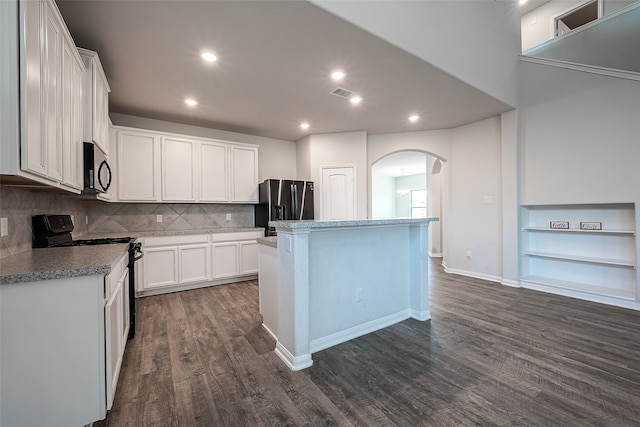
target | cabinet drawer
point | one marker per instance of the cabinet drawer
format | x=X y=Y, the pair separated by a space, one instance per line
x=235 y=237
x=175 y=240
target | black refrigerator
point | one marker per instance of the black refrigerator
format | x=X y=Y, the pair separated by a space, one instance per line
x=283 y=199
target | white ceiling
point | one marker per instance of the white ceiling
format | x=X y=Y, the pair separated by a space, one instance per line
x=273 y=71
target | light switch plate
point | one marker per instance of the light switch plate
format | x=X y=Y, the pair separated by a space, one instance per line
x=228 y=217
x=158 y=218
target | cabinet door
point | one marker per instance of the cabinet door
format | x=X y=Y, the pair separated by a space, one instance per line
x=125 y=309
x=113 y=335
x=178 y=169
x=138 y=166
x=244 y=181
x=33 y=153
x=71 y=119
x=52 y=92
x=194 y=263
x=160 y=267
x=100 y=110
x=213 y=172
x=248 y=257
x=225 y=260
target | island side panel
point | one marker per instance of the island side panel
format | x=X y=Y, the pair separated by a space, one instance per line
x=293 y=299
x=419 y=253
x=359 y=281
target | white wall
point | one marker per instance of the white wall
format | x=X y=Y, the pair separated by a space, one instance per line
x=482 y=37
x=537 y=26
x=472 y=224
x=435 y=210
x=510 y=198
x=337 y=149
x=277 y=157
x=383 y=197
x=579 y=137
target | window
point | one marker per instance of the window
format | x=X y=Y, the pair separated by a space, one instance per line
x=576 y=18
x=418 y=203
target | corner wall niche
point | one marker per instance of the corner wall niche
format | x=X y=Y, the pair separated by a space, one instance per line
x=595 y=258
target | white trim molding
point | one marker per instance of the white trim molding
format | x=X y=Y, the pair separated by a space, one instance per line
x=592 y=69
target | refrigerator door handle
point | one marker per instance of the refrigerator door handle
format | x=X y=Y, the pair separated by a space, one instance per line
x=294 y=201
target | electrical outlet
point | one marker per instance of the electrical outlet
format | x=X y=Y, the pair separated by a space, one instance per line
x=4 y=227
x=358 y=294
x=86 y=219
x=158 y=218
x=469 y=254
x=228 y=217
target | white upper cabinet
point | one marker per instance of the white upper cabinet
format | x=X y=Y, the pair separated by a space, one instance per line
x=213 y=166
x=41 y=130
x=161 y=167
x=72 y=158
x=178 y=169
x=96 y=101
x=138 y=166
x=244 y=166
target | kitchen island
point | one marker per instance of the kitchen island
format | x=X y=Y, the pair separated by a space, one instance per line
x=327 y=282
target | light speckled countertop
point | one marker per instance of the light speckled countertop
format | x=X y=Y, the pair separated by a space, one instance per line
x=73 y=261
x=58 y=263
x=348 y=223
x=269 y=241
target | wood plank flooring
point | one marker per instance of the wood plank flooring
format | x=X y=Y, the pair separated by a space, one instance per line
x=490 y=356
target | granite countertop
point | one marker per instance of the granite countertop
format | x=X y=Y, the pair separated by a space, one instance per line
x=349 y=223
x=73 y=261
x=58 y=263
x=268 y=241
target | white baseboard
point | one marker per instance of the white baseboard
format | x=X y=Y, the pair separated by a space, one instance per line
x=512 y=283
x=602 y=299
x=421 y=315
x=435 y=254
x=476 y=275
x=270 y=332
x=295 y=363
x=359 y=330
x=197 y=285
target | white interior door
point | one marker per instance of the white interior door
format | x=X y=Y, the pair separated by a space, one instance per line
x=338 y=193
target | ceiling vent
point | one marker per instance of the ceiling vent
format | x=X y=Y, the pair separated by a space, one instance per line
x=342 y=92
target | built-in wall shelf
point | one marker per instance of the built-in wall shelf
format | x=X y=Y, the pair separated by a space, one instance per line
x=598 y=265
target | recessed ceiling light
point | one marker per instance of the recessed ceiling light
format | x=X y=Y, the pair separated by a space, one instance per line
x=355 y=99
x=304 y=125
x=414 y=118
x=191 y=102
x=208 y=56
x=521 y=2
x=338 y=75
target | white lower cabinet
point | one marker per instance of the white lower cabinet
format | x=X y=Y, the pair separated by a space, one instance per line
x=160 y=266
x=60 y=363
x=225 y=260
x=172 y=263
x=194 y=263
x=116 y=312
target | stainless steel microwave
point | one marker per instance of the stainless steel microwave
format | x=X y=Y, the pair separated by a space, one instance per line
x=97 y=172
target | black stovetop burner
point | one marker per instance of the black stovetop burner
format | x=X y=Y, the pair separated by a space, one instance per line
x=89 y=242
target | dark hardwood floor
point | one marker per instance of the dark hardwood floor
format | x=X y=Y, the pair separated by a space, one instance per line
x=490 y=356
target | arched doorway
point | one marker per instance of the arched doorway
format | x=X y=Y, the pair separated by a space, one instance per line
x=408 y=184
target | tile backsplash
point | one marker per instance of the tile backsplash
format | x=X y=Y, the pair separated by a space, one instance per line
x=119 y=217
x=18 y=206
